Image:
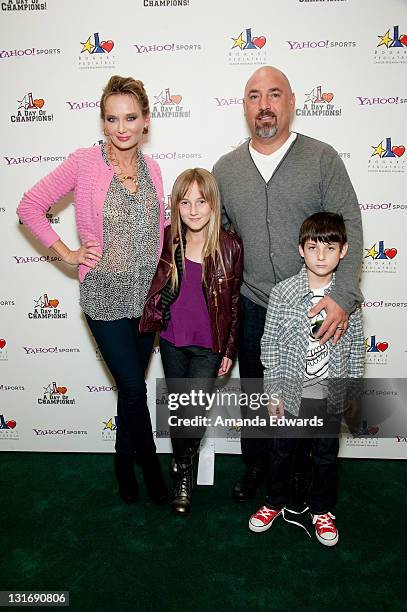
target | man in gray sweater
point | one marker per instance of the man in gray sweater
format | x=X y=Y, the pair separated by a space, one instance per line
x=269 y=185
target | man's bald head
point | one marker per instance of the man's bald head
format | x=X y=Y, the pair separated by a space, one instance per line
x=268 y=72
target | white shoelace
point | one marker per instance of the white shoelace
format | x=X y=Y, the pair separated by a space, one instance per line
x=324 y=520
x=295 y=522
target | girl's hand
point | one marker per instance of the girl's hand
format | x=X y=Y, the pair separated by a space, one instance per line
x=225 y=366
x=87 y=254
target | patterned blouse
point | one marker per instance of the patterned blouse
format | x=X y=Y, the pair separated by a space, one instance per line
x=118 y=286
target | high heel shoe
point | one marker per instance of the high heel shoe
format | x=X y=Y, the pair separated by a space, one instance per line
x=126 y=478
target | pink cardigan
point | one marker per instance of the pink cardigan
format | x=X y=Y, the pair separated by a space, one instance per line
x=86 y=174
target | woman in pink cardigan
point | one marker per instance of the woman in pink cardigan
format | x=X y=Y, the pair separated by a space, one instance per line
x=120 y=220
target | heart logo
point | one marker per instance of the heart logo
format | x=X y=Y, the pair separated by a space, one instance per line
x=11 y=423
x=176 y=99
x=403 y=39
x=259 y=41
x=391 y=253
x=399 y=151
x=327 y=97
x=107 y=45
x=62 y=390
x=382 y=346
x=53 y=303
x=39 y=103
x=2 y=343
x=373 y=430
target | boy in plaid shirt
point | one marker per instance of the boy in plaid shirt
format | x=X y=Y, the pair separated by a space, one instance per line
x=314 y=383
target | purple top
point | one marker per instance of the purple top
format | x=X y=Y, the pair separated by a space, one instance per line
x=189 y=324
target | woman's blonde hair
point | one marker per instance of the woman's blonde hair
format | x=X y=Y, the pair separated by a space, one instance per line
x=209 y=190
x=125 y=85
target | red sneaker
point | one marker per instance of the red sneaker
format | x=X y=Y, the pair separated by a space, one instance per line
x=325 y=529
x=263 y=519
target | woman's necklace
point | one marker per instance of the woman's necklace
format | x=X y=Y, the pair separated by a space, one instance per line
x=119 y=172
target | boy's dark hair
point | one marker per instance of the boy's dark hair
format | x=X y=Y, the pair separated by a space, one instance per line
x=323 y=227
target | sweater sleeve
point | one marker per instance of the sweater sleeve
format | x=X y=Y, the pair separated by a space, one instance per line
x=37 y=201
x=338 y=196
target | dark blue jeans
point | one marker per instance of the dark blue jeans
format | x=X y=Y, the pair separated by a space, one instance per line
x=187 y=368
x=252 y=320
x=127 y=352
x=322 y=494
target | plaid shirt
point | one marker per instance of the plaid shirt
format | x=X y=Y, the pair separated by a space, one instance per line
x=285 y=342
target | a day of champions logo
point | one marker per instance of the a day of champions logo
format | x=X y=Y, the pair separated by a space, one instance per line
x=23 y=6
x=248 y=49
x=391 y=47
x=376 y=351
x=379 y=258
x=96 y=53
x=168 y=105
x=319 y=103
x=109 y=429
x=3 y=350
x=387 y=157
x=8 y=429
x=55 y=395
x=31 y=110
x=45 y=308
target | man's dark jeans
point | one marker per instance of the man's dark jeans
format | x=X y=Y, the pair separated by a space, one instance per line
x=127 y=352
x=255 y=450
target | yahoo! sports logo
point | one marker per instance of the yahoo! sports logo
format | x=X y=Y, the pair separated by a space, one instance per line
x=45 y=308
x=30 y=109
x=55 y=394
x=248 y=48
x=167 y=105
x=96 y=53
x=319 y=103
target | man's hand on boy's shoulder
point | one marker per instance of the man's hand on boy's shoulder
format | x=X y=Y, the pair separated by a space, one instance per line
x=336 y=321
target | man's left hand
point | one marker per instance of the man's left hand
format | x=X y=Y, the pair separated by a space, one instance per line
x=336 y=321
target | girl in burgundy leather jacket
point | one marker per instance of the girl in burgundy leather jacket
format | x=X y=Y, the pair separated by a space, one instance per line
x=194 y=302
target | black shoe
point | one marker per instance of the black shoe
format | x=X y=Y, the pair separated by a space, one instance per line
x=247 y=485
x=192 y=452
x=126 y=478
x=154 y=480
x=182 y=493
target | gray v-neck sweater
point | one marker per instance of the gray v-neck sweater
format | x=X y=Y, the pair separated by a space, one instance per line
x=267 y=216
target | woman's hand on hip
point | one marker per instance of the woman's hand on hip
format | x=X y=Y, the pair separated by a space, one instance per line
x=88 y=253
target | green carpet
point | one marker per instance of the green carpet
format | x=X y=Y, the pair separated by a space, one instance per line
x=64 y=528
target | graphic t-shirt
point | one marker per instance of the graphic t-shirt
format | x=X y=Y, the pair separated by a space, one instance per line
x=317 y=360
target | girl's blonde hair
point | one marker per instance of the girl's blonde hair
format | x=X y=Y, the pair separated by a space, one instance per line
x=209 y=189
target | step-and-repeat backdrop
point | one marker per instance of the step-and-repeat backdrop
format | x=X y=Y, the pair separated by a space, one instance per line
x=346 y=60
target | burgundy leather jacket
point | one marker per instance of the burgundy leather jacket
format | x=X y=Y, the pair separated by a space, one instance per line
x=222 y=292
